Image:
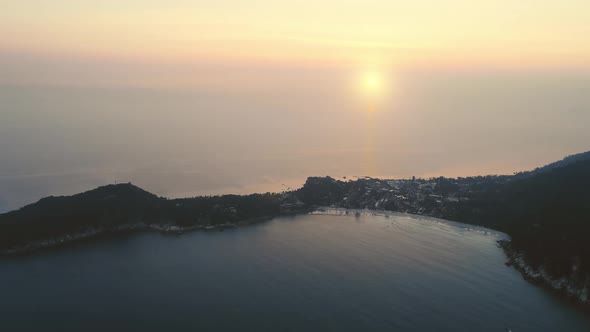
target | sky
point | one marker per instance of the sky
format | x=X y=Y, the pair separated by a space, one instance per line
x=204 y=97
x=503 y=32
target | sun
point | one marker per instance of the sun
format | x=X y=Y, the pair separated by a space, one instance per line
x=372 y=84
x=372 y=87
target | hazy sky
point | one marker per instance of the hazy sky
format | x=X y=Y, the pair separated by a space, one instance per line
x=193 y=97
x=501 y=31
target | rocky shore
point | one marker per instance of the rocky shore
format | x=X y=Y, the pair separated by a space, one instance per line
x=575 y=287
x=100 y=231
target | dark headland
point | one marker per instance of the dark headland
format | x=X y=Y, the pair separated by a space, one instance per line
x=545 y=211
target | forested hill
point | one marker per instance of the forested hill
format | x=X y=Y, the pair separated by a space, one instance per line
x=547 y=215
x=56 y=220
x=584 y=156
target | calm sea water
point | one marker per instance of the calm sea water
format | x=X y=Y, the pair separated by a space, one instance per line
x=304 y=273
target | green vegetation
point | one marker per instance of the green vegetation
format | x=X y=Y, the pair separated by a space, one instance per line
x=547 y=215
x=112 y=207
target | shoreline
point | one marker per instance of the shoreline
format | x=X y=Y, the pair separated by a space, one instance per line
x=571 y=288
x=167 y=229
x=386 y=213
x=566 y=288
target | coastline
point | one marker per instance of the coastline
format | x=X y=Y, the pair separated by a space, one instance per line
x=100 y=231
x=573 y=288
x=173 y=229
x=387 y=213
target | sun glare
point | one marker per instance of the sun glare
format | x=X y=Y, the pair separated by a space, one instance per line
x=372 y=86
x=372 y=82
